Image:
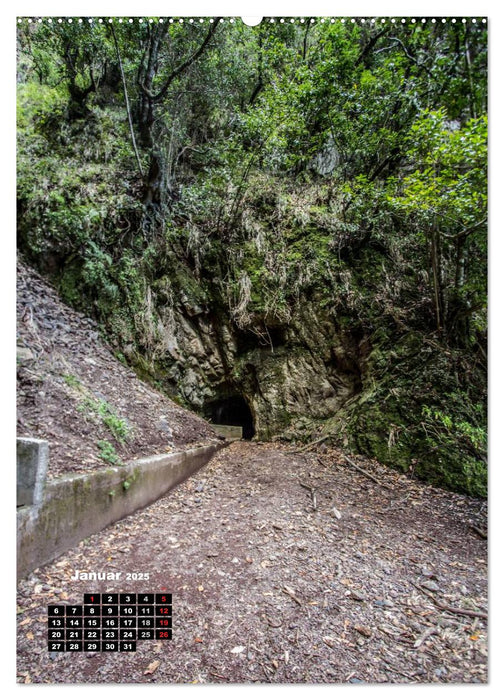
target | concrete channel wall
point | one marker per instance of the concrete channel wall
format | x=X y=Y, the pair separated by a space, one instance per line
x=74 y=507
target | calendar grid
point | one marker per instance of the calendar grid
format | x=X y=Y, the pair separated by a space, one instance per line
x=109 y=622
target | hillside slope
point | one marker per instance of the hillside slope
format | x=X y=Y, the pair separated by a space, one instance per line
x=291 y=226
x=74 y=393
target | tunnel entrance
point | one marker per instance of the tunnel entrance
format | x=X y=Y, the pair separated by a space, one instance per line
x=232 y=410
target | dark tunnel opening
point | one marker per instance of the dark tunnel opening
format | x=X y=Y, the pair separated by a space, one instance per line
x=232 y=410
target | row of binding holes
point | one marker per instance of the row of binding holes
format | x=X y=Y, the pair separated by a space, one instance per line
x=232 y=20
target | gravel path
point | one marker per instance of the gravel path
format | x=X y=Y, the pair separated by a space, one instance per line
x=284 y=568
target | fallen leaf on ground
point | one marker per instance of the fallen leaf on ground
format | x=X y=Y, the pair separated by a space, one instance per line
x=151 y=668
x=292 y=594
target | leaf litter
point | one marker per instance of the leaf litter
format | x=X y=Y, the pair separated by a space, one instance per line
x=338 y=601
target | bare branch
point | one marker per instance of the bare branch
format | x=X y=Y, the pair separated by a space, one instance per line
x=183 y=66
x=128 y=111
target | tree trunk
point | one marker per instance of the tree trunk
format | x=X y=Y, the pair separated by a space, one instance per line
x=146 y=75
x=156 y=190
x=128 y=111
x=436 y=282
x=468 y=64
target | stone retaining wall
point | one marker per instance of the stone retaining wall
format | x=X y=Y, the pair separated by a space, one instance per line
x=74 y=507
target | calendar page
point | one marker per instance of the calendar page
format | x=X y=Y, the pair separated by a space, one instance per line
x=252 y=348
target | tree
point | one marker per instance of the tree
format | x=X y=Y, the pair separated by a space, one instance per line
x=445 y=200
x=154 y=82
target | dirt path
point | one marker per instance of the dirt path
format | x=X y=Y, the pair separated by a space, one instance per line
x=266 y=588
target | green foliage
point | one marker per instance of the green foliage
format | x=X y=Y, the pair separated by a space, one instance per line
x=37 y=106
x=338 y=163
x=108 y=453
x=451 y=182
x=117 y=426
x=445 y=201
x=106 y=413
x=440 y=426
x=443 y=441
x=72 y=381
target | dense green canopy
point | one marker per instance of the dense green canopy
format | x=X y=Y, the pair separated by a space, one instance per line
x=257 y=167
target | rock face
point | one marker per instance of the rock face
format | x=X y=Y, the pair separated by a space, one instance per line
x=297 y=385
x=302 y=372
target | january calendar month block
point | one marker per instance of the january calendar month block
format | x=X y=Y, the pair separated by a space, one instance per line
x=110 y=622
x=110 y=634
x=73 y=610
x=127 y=634
x=145 y=598
x=128 y=610
x=56 y=610
x=163 y=598
x=127 y=598
x=92 y=598
x=92 y=634
x=146 y=633
x=145 y=610
x=92 y=611
x=109 y=598
x=127 y=622
x=56 y=622
x=74 y=622
x=110 y=610
x=163 y=610
x=163 y=634
x=55 y=634
x=163 y=622
x=73 y=634
x=143 y=622
x=91 y=622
